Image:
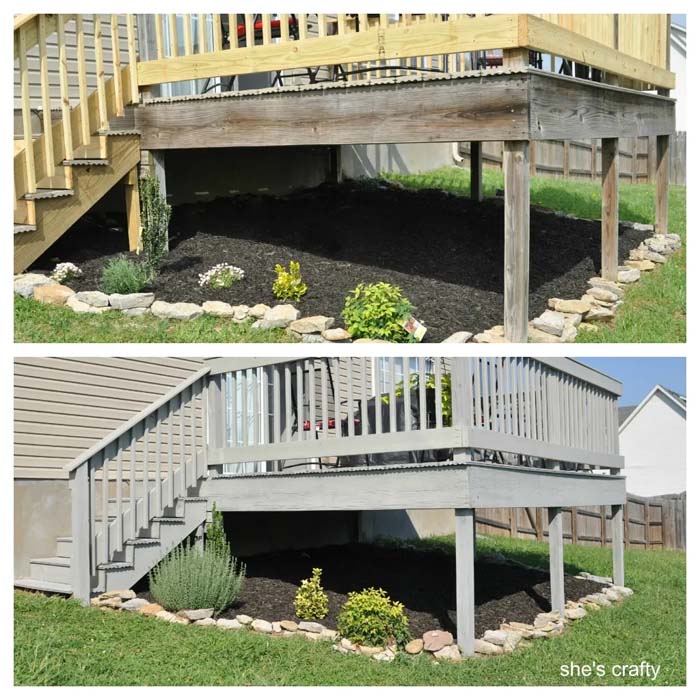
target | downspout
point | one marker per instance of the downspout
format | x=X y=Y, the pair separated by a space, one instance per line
x=455 y=153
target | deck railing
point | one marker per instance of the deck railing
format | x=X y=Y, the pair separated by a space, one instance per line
x=313 y=411
x=134 y=474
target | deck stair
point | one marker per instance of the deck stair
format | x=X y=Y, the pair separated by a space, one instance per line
x=126 y=517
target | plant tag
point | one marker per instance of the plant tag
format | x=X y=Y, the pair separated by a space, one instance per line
x=415 y=328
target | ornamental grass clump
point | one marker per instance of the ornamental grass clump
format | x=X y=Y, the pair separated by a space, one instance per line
x=124 y=276
x=377 y=311
x=221 y=276
x=289 y=285
x=190 y=578
x=371 y=618
x=311 y=601
x=155 y=219
x=65 y=271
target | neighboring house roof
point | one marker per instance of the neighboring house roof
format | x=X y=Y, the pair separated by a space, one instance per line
x=626 y=413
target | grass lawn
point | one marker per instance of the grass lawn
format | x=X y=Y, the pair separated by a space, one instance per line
x=654 y=309
x=57 y=642
x=42 y=323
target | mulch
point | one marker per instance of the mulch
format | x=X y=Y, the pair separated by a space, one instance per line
x=443 y=250
x=424 y=581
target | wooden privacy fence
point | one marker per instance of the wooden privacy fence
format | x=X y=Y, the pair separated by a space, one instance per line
x=650 y=523
x=578 y=160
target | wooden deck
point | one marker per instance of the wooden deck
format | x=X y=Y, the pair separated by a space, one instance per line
x=494 y=105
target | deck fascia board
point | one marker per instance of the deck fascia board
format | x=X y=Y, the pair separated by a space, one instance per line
x=445 y=485
x=519 y=105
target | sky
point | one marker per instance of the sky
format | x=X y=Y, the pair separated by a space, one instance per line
x=678 y=19
x=639 y=375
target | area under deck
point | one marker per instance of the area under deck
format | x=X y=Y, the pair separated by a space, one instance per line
x=438 y=485
x=495 y=105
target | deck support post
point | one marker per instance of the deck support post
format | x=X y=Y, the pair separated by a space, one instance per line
x=80 y=531
x=662 y=178
x=158 y=170
x=475 y=165
x=334 y=174
x=516 y=176
x=464 y=556
x=618 y=545
x=610 y=206
x=133 y=209
x=556 y=559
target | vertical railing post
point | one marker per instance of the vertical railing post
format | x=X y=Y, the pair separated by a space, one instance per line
x=81 y=533
x=461 y=388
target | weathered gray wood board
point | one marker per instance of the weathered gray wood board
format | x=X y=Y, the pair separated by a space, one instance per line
x=464 y=562
x=556 y=560
x=610 y=206
x=662 y=180
x=501 y=107
x=435 y=486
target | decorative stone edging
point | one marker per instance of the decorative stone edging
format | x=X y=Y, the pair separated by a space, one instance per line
x=563 y=319
x=438 y=644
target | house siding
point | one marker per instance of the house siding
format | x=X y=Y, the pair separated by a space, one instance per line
x=64 y=405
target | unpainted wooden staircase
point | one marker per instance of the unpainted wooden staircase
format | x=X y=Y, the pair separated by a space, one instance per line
x=135 y=496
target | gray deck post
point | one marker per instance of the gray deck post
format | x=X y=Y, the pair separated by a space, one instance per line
x=464 y=559
x=610 y=205
x=662 y=180
x=80 y=532
x=556 y=559
x=475 y=165
x=516 y=177
x=618 y=545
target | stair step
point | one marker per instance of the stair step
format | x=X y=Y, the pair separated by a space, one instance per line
x=169 y=519
x=119 y=132
x=24 y=228
x=86 y=161
x=143 y=541
x=115 y=566
x=52 y=569
x=47 y=194
x=32 y=584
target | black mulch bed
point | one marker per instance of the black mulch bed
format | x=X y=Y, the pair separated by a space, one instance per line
x=443 y=250
x=424 y=581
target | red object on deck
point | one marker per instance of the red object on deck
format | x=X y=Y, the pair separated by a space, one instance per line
x=274 y=28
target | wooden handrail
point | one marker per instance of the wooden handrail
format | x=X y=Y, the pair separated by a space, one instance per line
x=152 y=408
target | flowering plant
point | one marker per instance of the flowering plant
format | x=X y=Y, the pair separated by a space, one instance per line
x=65 y=271
x=221 y=276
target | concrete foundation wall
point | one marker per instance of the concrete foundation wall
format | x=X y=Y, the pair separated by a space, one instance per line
x=42 y=513
x=371 y=161
x=405 y=524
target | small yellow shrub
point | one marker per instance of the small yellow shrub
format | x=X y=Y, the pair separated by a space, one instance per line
x=289 y=286
x=311 y=602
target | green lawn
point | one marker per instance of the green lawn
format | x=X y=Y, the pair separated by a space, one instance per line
x=59 y=643
x=42 y=323
x=654 y=309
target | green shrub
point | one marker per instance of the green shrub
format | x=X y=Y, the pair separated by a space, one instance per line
x=124 y=276
x=191 y=578
x=289 y=286
x=377 y=311
x=155 y=217
x=216 y=535
x=311 y=601
x=370 y=617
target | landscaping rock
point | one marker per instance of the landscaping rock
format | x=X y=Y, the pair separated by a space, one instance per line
x=573 y=319
x=199 y=614
x=459 y=337
x=348 y=645
x=276 y=628
x=98 y=299
x=136 y=311
x=310 y=337
x=182 y=311
x=603 y=294
x=612 y=595
x=486 y=648
x=575 y=613
x=449 y=653
x=26 y=284
x=434 y=640
x=590 y=327
x=218 y=308
x=244 y=619
x=258 y=311
x=206 y=622
x=569 y=332
x=226 y=624
x=629 y=275
x=140 y=300
x=535 y=335
x=498 y=637
x=639 y=227
x=329 y=634
x=492 y=335
x=602 y=283
x=642 y=265
x=104 y=602
x=240 y=313
x=648 y=255
x=134 y=605
x=550 y=322
x=336 y=335
x=151 y=609
x=311 y=324
x=289 y=625
x=657 y=245
x=369 y=651
x=316 y=627
x=80 y=307
x=386 y=655
x=261 y=626
x=599 y=314
x=569 y=306
x=170 y=617
x=624 y=591
x=279 y=316
x=415 y=646
x=55 y=294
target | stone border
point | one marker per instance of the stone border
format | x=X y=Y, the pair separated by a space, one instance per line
x=435 y=643
x=558 y=324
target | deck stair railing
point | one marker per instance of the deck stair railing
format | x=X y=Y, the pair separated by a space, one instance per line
x=314 y=410
x=135 y=477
